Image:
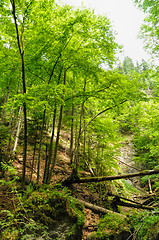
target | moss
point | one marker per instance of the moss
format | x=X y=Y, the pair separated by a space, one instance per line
x=112 y=227
x=50 y=206
x=146 y=223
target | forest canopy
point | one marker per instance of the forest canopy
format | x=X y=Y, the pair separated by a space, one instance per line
x=52 y=67
x=69 y=110
x=58 y=72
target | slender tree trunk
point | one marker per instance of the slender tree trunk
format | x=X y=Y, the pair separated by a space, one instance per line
x=58 y=134
x=18 y=130
x=76 y=152
x=21 y=51
x=40 y=143
x=33 y=161
x=11 y=130
x=56 y=144
x=72 y=134
x=132 y=205
x=84 y=135
x=47 y=165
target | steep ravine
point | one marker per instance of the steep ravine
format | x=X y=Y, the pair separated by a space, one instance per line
x=127 y=164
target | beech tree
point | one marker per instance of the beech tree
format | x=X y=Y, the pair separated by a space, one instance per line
x=61 y=55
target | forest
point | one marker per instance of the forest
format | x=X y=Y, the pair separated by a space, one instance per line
x=79 y=129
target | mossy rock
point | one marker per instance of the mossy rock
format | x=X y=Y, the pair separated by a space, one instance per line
x=111 y=227
x=58 y=212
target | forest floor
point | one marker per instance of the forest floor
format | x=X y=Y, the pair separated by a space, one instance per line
x=61 y=172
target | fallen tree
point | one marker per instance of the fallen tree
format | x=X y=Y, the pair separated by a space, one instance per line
x=132 y=205
x=98 y=209
x=75 y=179
x=117 y=202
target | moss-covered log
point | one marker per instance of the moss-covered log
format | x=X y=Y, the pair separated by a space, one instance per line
x=138 y=206
x=73 y=180
x=98 y=209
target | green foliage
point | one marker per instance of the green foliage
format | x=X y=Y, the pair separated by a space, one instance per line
x=149 y=30
x=3 y=135
x=145 y=225
x=16 y=226
x=37 y=210
x=146 y=140
x=48 y=206
x=128 y=189
x=110 y=227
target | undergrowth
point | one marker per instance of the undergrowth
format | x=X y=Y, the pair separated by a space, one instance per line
x=36 y=210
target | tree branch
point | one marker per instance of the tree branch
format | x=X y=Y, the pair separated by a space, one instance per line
x=105 y=110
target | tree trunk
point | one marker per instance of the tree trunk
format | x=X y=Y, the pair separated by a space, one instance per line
x=72 y=134
x=58 y=135
x=131 y=205
x=21 y=51
x=33 y=161
x=40 y=143
x=108 y=178
x=47 y=165
x=76 y=151
x=98 y=209
x=18 y=130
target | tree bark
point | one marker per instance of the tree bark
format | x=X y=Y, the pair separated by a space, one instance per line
x=108 y=178
x=18 y=130
x=72 y=133
x=40 y=143
x=58 y=135
x=76 y=151
x=98 y=209
x=45 y=178
x=34 y=151
x=131 y=205
x=47 y=165
x=21 y=51
x=150 y=188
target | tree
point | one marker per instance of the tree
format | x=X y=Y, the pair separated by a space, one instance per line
x=150 y=29
x=53 y=39
x=128 y=66
x=65 y=51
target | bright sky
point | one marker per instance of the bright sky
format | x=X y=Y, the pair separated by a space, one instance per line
x=126 y=20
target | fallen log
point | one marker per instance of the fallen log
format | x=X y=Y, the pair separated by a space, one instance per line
x=97 y=209
x=133 y=204
x=73 y=179
x=126 y=199
x=138 y=206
